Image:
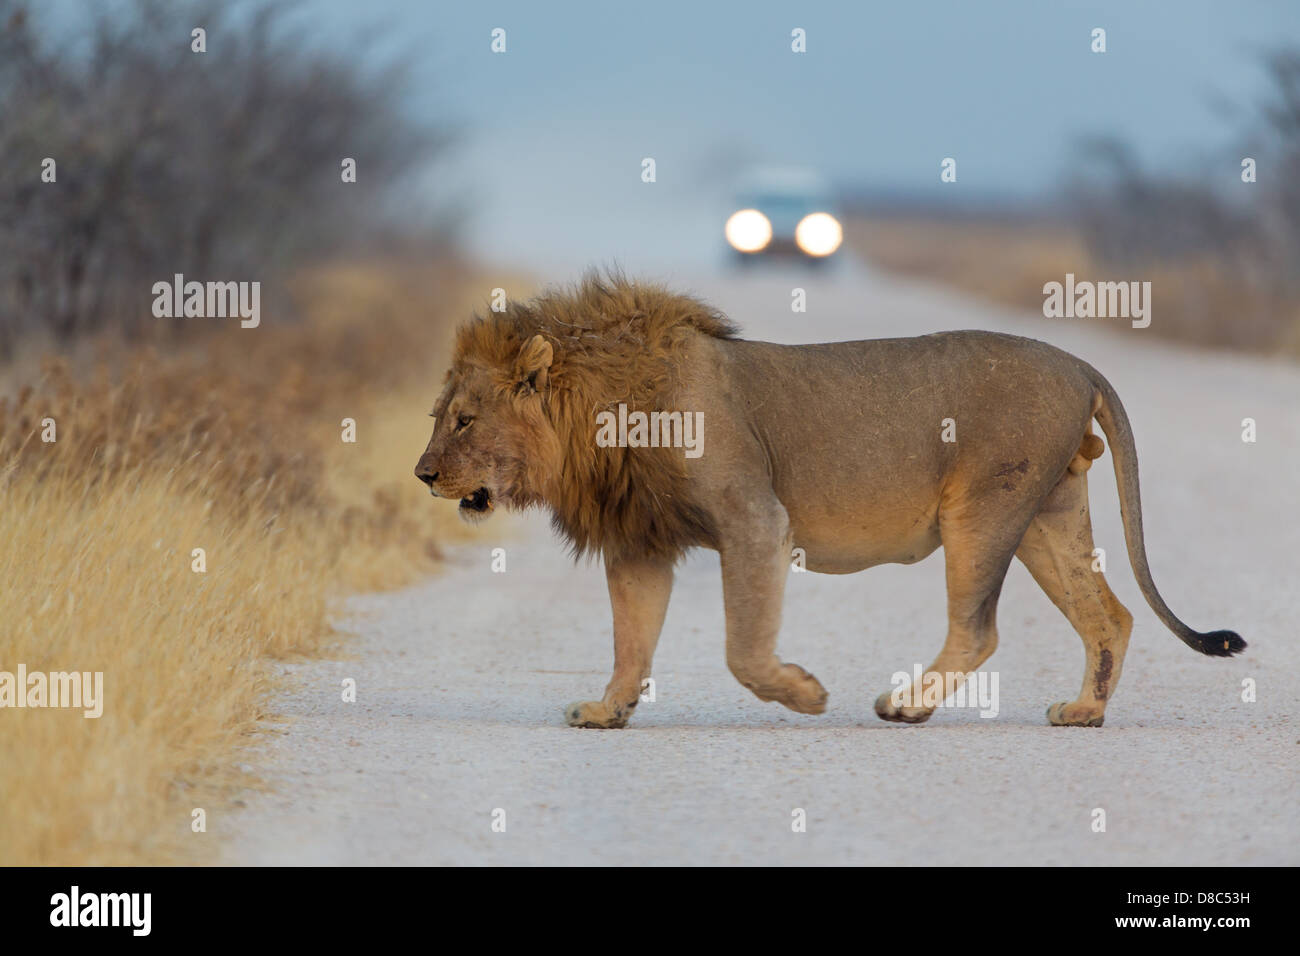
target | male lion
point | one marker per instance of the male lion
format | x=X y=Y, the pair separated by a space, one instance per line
x=836 y=449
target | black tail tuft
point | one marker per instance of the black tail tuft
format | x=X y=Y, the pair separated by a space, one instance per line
x=1218 y=643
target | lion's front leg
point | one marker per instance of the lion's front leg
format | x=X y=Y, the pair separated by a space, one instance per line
x=638 y=593
x=755 y=552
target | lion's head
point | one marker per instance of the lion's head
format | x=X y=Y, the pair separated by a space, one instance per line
x=492 y=442
x=516 y=420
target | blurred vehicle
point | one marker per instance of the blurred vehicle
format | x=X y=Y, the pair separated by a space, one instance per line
x=783 y=212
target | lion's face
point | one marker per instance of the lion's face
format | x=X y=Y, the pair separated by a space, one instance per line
x=491 y=440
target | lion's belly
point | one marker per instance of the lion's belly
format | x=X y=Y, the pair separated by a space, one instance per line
x=863 y=541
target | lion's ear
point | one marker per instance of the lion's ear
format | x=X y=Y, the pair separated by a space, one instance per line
x=533 y=363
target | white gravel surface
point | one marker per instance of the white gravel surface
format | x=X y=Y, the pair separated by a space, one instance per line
x=461 y=681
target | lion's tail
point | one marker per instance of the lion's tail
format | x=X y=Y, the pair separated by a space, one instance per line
x=1114 y=422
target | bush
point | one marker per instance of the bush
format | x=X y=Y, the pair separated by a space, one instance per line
x=1229 y=255
x=221 y=165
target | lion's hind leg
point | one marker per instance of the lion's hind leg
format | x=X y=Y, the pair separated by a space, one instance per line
x=978 y=545
x=1058 y=551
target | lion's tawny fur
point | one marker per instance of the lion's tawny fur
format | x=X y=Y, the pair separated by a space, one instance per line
x=844 y=455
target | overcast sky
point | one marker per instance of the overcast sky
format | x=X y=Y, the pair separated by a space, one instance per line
x=560 y=123
x=556 y=127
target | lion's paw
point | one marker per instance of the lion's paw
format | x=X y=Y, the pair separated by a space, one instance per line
x=595 y=714
x=886 y=709
x=1066 y=714
x=803 y=693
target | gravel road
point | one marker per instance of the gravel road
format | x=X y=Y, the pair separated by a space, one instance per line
x=461 y=681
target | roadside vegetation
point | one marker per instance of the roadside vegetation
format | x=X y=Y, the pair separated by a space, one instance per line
x=179 y=505
x=1222 y=253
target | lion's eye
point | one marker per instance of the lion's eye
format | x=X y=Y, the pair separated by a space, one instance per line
x=464 y=421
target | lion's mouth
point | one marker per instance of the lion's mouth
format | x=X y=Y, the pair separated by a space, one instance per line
x=480 y=502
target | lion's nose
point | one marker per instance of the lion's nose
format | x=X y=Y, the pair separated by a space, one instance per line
x=425 y=473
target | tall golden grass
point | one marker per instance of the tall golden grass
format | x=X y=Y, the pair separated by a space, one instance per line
x=229 y=440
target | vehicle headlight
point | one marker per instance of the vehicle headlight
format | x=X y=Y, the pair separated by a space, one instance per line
x=818 y=234
x=748 y=230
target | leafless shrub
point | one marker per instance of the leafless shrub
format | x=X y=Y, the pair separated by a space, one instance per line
x=218 y=165
x=1230 y=253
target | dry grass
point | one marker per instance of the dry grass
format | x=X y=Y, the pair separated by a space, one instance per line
x=1006 y=263
x=102 y=581
x=1202 y=301
x=226 y=440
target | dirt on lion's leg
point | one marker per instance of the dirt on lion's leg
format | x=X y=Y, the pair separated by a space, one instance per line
x=1058 y=551
x=977 y=552
x=755 y=564
x=639 y=588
